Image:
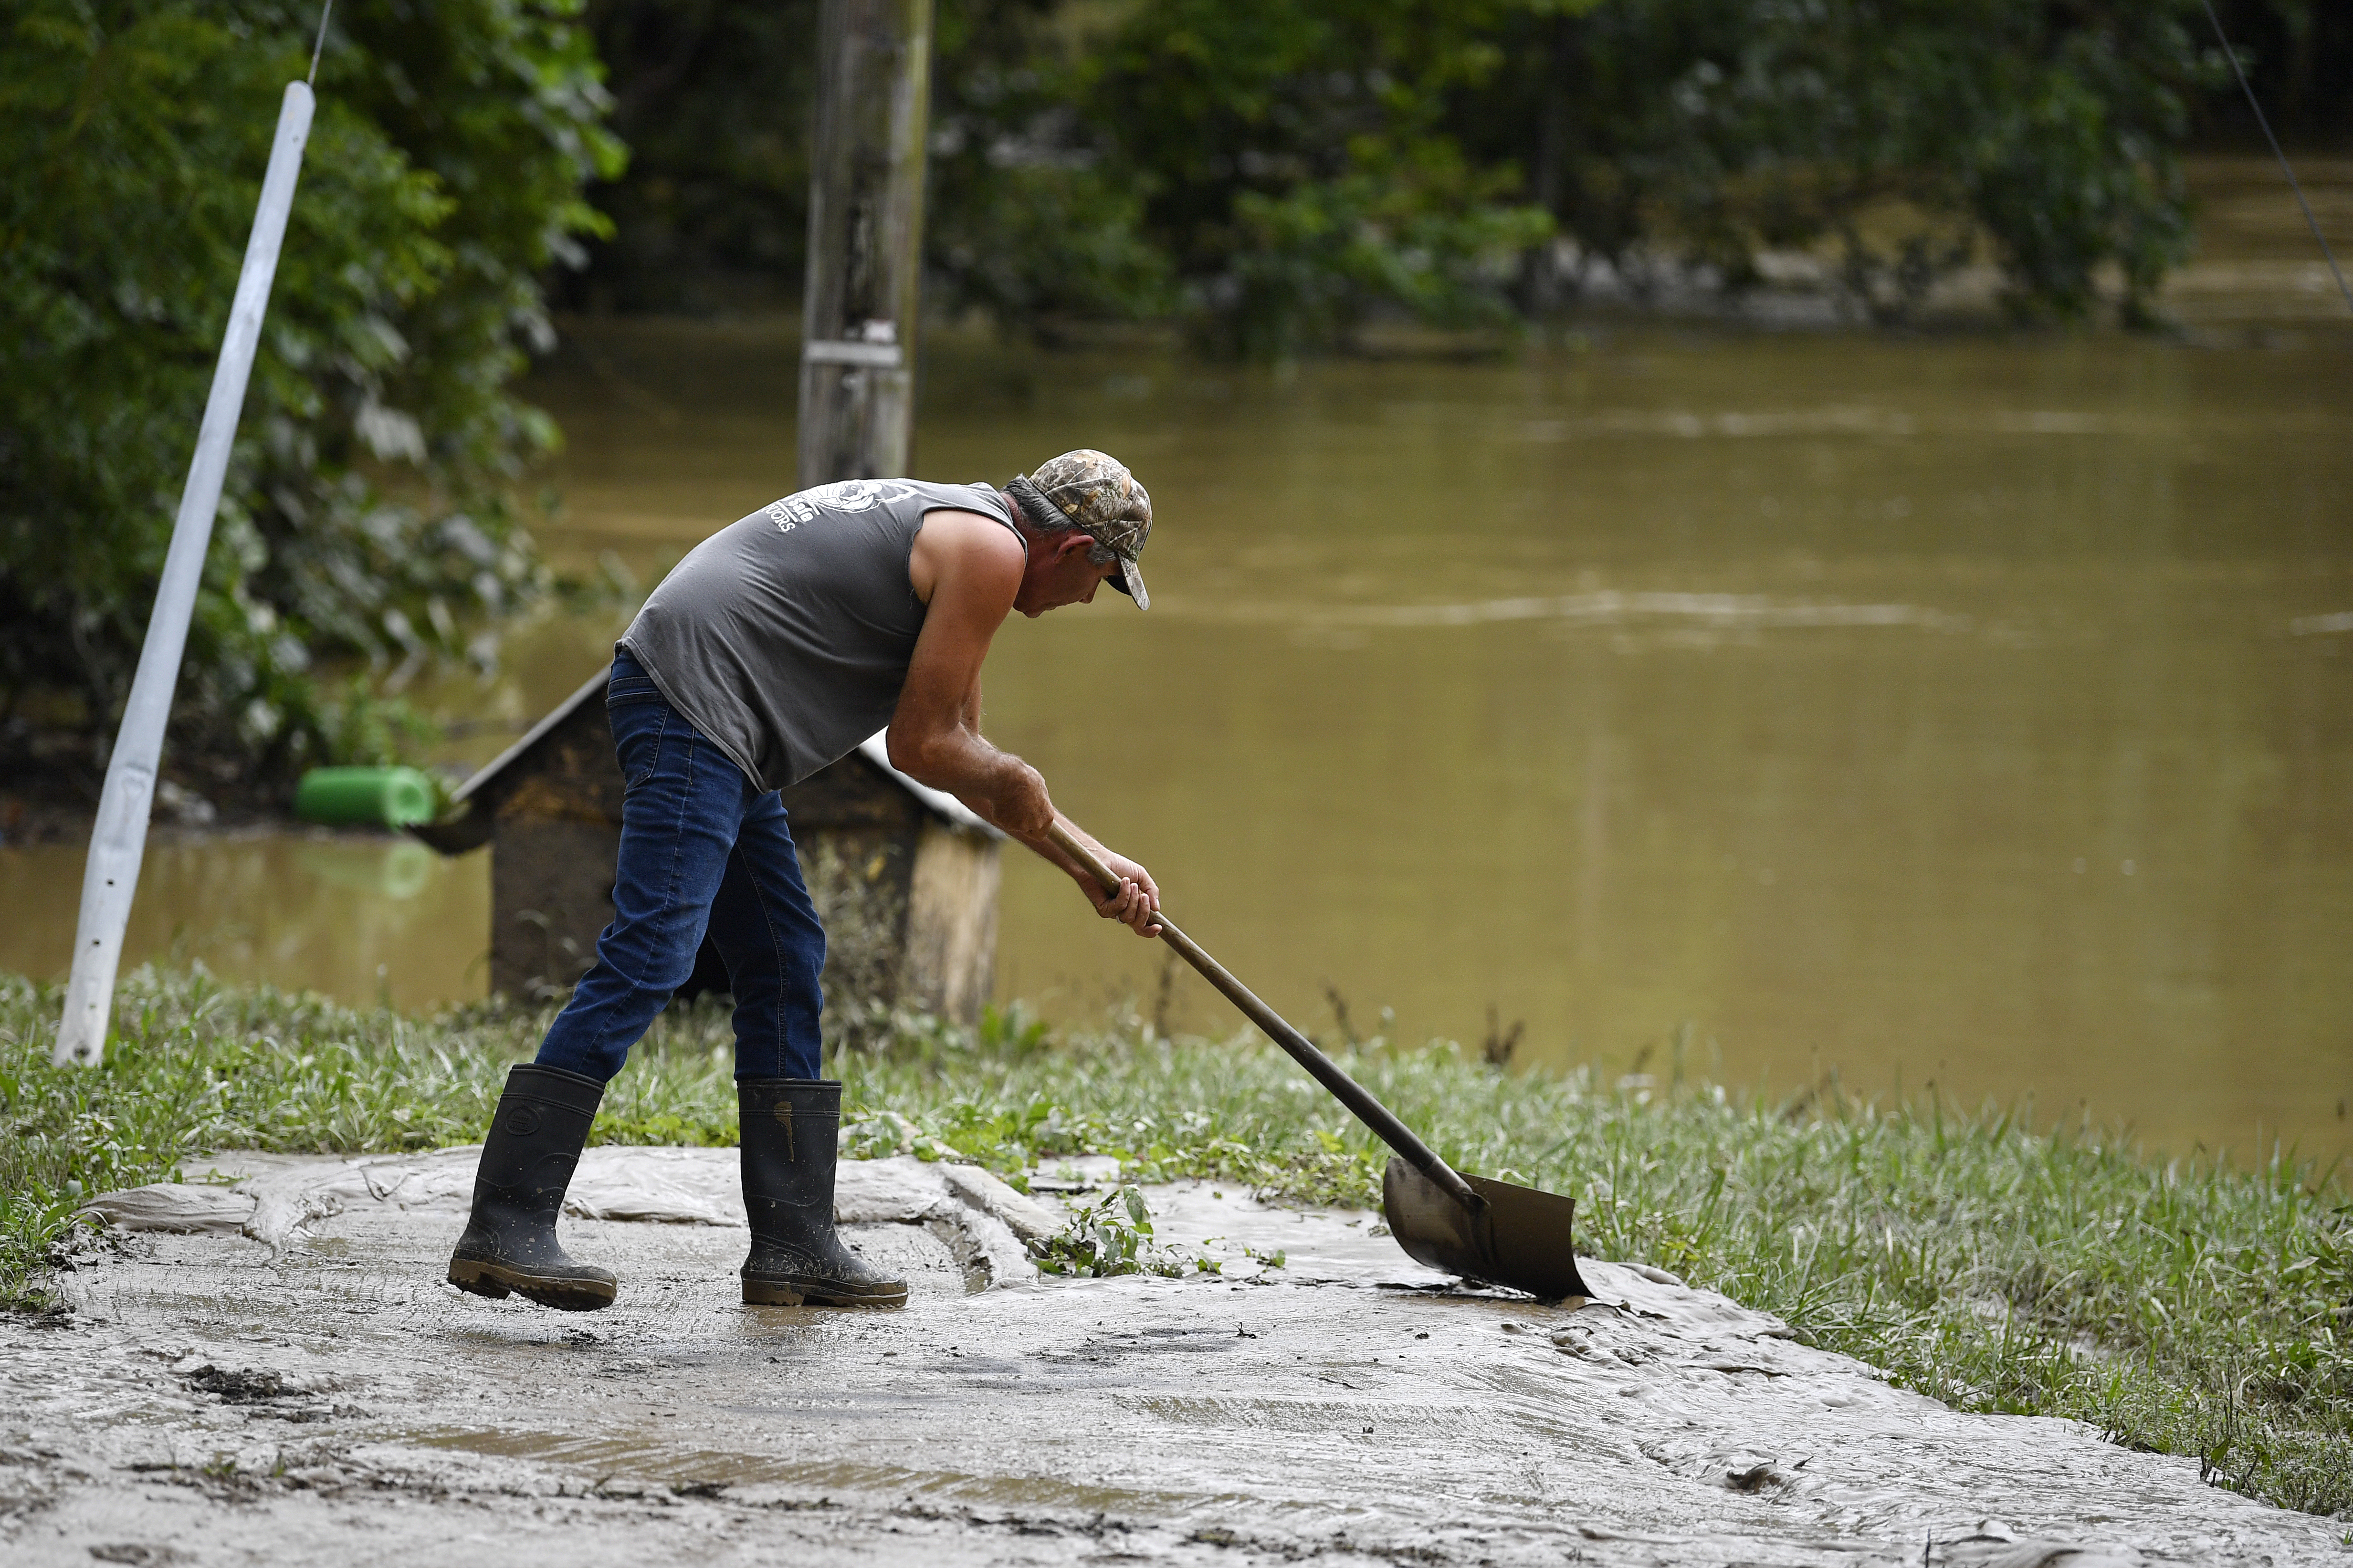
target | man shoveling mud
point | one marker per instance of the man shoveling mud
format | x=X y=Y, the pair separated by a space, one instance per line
x=775 y=647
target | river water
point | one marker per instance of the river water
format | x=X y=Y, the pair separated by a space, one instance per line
x=1968 y=710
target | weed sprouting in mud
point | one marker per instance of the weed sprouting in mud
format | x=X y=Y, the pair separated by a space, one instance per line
x=1110 y=1236
x=2199 y=1308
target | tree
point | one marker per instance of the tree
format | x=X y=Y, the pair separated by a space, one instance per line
x=1026 y=221
x=365 y=515
x=714 y=98
x=1272 y=173
x=1910 y=132
x=1298 y=168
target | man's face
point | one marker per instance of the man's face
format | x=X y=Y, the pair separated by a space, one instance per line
x=1059 y=574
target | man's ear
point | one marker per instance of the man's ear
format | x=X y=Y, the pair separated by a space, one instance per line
x=1069 y=541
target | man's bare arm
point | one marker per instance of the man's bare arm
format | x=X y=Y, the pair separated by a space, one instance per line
x=968 y=568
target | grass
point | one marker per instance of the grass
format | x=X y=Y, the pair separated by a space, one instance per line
x=2181 y=1307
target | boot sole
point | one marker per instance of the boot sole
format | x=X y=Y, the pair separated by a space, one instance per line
x=814 y=1293
x=497 y=1281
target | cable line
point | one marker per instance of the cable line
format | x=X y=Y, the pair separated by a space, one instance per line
x=2327 y=255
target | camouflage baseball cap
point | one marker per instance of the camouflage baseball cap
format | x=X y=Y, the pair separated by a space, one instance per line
x=1094 y=493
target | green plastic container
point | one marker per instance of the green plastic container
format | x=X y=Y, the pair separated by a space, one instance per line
x=370 y=797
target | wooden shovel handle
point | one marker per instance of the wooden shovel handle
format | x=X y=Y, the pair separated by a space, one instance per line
x=1303 y=1051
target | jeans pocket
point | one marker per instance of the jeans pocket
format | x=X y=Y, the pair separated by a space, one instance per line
x=627 y=689
x=638 y=730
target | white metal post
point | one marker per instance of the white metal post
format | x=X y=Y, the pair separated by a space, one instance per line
x=120 y=837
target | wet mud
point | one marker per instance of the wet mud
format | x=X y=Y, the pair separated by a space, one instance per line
x=285 y=1379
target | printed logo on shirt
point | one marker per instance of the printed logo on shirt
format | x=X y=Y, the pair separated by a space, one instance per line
x=843 y=495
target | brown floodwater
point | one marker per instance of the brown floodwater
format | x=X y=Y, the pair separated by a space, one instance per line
x=1964 y=709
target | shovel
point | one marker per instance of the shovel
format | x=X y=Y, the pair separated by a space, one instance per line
x=1485 y=1230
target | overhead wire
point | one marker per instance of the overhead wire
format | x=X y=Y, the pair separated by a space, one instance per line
x=325 y=12
x=2327 y=255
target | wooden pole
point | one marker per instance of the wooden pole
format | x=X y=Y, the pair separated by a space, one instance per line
x=118 y=839
x=865 y=239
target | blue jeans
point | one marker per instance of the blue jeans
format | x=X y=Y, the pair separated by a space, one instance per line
x=702 y=847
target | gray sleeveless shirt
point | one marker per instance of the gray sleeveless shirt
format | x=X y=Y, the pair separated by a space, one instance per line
x=785 y=637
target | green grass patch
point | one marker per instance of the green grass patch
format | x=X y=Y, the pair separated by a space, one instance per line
x=2177 y=1306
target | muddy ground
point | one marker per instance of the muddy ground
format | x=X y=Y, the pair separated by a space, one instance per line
x=294 y=1384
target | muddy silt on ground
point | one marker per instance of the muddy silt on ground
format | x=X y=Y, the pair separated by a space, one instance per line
x=294 y=1383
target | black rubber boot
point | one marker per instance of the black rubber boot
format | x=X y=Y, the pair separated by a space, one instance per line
x=791 y=1126
x=510 y=1245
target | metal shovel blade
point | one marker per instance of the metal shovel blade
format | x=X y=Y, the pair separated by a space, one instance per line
x=1519 y=1237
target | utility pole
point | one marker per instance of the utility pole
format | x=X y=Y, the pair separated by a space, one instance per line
x=865 y=239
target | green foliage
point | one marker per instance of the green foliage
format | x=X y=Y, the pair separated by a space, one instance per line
x=365 y=512
x=1297 y=164
x=1912 y=133
x=1110 y=1236
x=2189 y=1308
x=1276 y=176
x=714 y=101
x=1028 y=221
x=2052 y=129
x=1189 y=157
